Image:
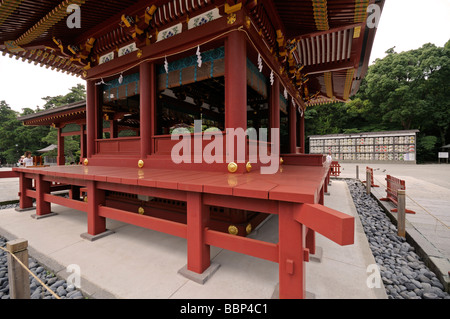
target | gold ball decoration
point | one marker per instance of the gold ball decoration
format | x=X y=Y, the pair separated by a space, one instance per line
x=248 y=167
x=85 y=199
x=232 y=167
x=141 y=163
x=281 y=161
x=85 y=162
x=139 y=54
x=141 y=210
x=233 y=230
x=85 y=74
x=248 y=229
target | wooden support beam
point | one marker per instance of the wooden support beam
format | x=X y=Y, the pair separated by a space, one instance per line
x=61 y=159
x=25 y=184
x=147 y=96
x=243 y=245
x=334 y=225
x=66 y=202
x=236 y=81
x=95 y=198
x=157 y=224
x=292 y=128
x=42 y=206
x=199 y=258
x=275 y=105
x=244 y=203
x=291 y=253
x=90 y=117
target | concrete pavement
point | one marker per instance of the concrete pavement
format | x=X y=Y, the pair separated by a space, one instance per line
x=139 y=263
x=9 y=188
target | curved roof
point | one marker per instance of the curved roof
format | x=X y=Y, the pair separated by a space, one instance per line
x=328 y=43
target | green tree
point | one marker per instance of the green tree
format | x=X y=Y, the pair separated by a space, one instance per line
x=15 y=138
x=71 y=145
x=407 y=90
x=77 y=93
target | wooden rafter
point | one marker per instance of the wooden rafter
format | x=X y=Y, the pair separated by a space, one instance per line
x=7 y=7
x=329 y=84
x=321 y=14
x=348 y=83
x=52 y=18
x=361 y=10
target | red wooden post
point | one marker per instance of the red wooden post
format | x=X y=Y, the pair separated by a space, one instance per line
x=275 y=105
x=61 y=159
x=90 y=117
x=147 y=118
x=82 y=142
x=197 y=220
x=153 y=100
x=42 y=188
x=302 y=133
x=95 y=197
x=25 y=184
x=292 y=129
x=236 y=81
x=291 y=253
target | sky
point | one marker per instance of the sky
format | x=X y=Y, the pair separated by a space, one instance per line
x=405 y=24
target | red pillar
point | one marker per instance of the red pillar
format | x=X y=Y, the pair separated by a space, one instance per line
x=90 y=118
x=292 y=129
x=24 y=185
x=291 y=253
x=147 y=105
x=275 y=104
x=60 y=160
x=236 y=81
x=198 y=253
x=82 y=143
x=42 y=187
x=302 y=133
x=95 y=197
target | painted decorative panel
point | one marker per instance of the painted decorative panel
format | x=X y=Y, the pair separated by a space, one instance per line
x=106 y=58
x=127 y=49
x=203 y=18
x=170 y=32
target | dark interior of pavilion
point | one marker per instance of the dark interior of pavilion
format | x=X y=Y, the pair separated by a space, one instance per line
x=186 y=93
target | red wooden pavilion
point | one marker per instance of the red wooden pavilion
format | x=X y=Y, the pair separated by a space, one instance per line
x=152 y=67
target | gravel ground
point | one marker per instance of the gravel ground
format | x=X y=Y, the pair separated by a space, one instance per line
x=58 y=285
x=37 y=291
x=8 y=206
x=404 y=274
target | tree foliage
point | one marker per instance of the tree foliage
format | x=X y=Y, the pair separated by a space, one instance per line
x=402 y=91
x=15 y=138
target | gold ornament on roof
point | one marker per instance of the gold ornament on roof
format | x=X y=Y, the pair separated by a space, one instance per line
x=231 y=18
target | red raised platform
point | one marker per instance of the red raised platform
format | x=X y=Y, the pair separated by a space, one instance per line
x=295 y=194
